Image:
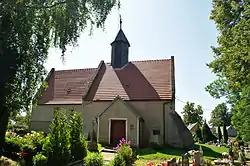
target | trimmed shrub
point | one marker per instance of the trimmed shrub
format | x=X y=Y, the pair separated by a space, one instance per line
x=225 y=134
x=57 y=143
x=78 y=145
x=40 y=160
x=207 y=135
x=219 y=134
x=94 y=159
x=198 y=134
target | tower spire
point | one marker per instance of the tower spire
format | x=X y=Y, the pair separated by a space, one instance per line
x=120 y=48
x=120 y=21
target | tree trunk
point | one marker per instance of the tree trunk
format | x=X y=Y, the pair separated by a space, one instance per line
x=8 y=68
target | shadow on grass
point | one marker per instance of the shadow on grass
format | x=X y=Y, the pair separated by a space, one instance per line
x=208 y=152
x=170 y=151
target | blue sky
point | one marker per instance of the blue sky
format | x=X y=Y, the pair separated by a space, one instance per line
x=156 y=29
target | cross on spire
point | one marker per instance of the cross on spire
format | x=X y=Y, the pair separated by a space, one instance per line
x=120 y=22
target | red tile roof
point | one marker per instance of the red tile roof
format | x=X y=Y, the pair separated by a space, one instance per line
x=138 y=80
x=67 y=86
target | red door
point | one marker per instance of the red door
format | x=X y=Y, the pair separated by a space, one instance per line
x=118 y=131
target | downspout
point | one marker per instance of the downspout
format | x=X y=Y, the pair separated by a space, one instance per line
x=164 y=122
x=172 y=101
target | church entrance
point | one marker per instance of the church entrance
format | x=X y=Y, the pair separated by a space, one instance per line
x=117 y=131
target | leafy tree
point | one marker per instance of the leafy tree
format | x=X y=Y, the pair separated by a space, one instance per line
x=231 y=59
x=28 y=28
x=57 y=144
x=225 y=134
x=22 y=120
x=220 y=115
x=191 y=114
x=219 y=134
x=207 y=135
x=78 y=146
x=241 y=118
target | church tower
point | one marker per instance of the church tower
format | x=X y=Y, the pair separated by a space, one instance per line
x=120 y=47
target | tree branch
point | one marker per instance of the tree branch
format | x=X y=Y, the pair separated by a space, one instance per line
x=47 y=7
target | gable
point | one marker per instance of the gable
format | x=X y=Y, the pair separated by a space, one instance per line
x=118 y=104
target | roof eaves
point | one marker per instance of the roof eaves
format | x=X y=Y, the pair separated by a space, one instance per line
x=92 y=80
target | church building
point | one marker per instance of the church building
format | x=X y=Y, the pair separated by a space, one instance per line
x=134 y=100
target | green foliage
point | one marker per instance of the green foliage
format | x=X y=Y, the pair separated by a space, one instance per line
x=94 y=159
x=241 y=118
x=118 y=161
x=22 y=120
x=225 y=134
x=199 y=134
x=23 y=147
x=239 y=140
x=28 y=142
x=207 y=134
x=125 y=154
x=232 y=60
x=191 y=114
x=219 y=134
x=39 y=160
x=28 y=30
x=78 y=146
x=57 y=144
x=13 y=142
x=220 y=115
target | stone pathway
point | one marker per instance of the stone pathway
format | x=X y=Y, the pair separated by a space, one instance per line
x=108 y=154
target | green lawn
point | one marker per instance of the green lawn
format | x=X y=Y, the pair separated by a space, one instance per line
x=163 y=154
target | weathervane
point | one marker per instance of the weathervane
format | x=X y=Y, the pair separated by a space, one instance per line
x=120 y=22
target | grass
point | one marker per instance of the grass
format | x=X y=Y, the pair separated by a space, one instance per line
x=145 y=156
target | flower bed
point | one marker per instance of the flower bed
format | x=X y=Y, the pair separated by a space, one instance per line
x=18 y=148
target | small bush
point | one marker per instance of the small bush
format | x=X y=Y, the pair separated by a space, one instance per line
x=118 y=161
x=39 y=160
x=125 y=154
x=94 y=159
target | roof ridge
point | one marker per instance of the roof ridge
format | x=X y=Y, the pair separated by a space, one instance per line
x=149 y=60
x=75 y=70
x=93 y=78
x=152 y=60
